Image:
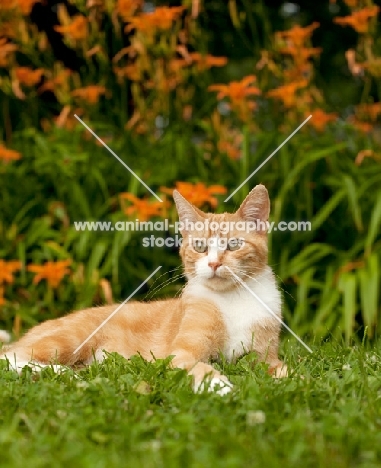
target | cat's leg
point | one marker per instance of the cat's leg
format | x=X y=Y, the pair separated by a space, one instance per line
x=19 y=357
x=44 y=352
x=201 y=336
x=52 y=344
x=266 y=344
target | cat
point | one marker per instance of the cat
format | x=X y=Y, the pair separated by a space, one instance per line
x=215 y=314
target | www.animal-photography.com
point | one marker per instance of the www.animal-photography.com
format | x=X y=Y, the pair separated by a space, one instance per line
x=190 y=243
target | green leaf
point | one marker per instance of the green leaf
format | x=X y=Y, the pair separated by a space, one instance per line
x=347 y=285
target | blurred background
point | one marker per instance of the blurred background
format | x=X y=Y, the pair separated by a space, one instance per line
x=190 y=94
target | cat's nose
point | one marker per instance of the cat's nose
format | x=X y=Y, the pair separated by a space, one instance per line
x=214 y=265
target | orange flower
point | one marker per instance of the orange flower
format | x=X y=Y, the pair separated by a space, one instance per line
x=369 y=110
x=76 y=30
x=236 y=91
x=176 y=64
x=8 y=155
x=127 y=8
x=132 y=72
x=228 y=147
x=52 y=272
x=231 y=143
x=286 y=93
x=56 y=82
x=144 y=209
x=320 y=119
x=365 y=127
x=7 y=270
x=301 y=54
x=297 y=35
x=351 y=3
x=160 y=18
x=198 y=193
x=27 y=76
x=6 y=48
x=90 y=93
x=203 y=62
x=26 y=6
x=7 y=5
x=359 y=20
x=9 y=29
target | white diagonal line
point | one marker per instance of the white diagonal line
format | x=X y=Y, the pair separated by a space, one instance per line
x=268 y=159
x=268 y=308
x=116 y=310
x=117 y=157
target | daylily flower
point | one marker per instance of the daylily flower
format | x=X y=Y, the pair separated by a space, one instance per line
x=203 y=62
x=76 y=30
x=286 y=93
x=320 y=119
x=359 y=20
x=161 y=18
x=198 y=194
x=26 y=6
x=143 y=208
x=296 y=36
x=8 y=155
x=365 y=127
x=6 y=48
x=369 y=110
x=90 y=93
x=52 y=84
x=231 y=148
x=127 y=8
x=27 y=76
x=52 y=272
x=7 y=270
x=301 y=54
x=236 y=90
x=351 y=3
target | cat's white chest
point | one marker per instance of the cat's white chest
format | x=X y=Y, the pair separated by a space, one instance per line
x=241 y=310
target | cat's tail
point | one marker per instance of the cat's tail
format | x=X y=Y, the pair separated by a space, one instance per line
x=5 y=337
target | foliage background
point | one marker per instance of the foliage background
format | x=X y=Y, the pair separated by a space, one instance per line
x=150 y=86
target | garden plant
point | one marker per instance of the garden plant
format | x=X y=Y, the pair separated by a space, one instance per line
x=194 y=95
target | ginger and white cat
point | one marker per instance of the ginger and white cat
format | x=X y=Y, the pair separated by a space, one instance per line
x=214 y=314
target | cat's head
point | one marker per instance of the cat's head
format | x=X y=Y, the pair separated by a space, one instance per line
x=212 y=242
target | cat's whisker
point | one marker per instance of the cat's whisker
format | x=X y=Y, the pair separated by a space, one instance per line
x=180 y=291
x=157 y=279
x=255 y=279
x=166 y=283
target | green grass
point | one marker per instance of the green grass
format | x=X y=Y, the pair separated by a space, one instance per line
x=139 y=414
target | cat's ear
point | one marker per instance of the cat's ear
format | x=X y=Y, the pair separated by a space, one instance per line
x=188 y=214
x=256 y=207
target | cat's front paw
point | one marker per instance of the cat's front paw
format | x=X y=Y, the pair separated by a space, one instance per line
x=279 y=371
x=219 y=385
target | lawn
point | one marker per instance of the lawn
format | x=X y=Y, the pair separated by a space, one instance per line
x=134 y=413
